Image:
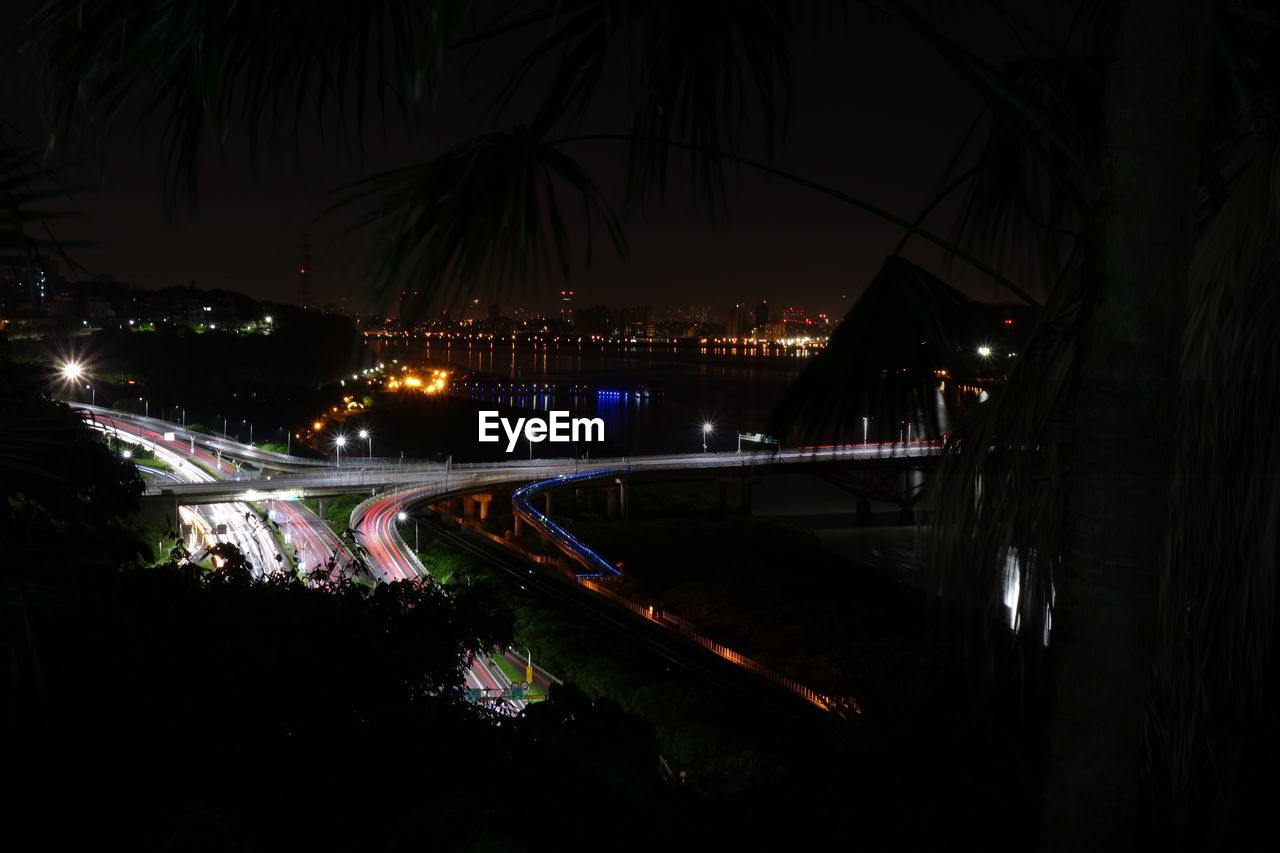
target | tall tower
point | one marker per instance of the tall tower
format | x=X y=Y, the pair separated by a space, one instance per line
x=305 y=297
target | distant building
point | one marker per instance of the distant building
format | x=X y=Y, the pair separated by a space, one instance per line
x=762 y=312
x=24 y=284
x=736 y=324
x=594 y=320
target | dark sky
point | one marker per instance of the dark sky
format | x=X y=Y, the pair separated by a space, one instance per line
x=876 y=114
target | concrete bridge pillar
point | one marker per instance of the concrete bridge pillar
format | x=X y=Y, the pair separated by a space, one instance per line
x=519 y=524
x=159 y=510
x=546 y=504
x=616 y=501
x=482 y=501
x=321 y=505
x=863 y=513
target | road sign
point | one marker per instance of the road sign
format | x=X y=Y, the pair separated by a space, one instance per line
x=517 y=691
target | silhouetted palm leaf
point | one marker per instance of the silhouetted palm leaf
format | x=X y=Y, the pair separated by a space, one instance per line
x=698 y=74
x=26 y=190
x=198 y=64
x=1220 y=597
x=489 y=211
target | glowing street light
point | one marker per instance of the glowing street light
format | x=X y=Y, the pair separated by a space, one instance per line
x=364 y=433
x=127 y=454
x=340 y=442
x=707 y=427
x=72 y=370
x=403 y=516
x=984 y=351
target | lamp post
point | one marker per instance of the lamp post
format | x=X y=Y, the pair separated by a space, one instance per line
x=368 y=439
x=706 y=432
x=339 y=442
x=402 y=516
x=864 y=428
x=146 y=407
x=93 y=394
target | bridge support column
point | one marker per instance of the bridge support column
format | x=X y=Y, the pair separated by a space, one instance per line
x=160 y=511
x=616 y=501
x=483 y=500
x=519 y=524
x=863 y=514
x=546 y=504
x=321 y=505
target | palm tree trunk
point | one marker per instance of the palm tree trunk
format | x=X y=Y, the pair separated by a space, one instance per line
x=1132 y=322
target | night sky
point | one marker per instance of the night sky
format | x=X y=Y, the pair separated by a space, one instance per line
x=875 y=114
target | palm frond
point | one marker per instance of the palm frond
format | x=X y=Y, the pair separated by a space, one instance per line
x=28 y=190
x=1216 y=682
x=488 y=212
x=1027 y=199
x=700 y=73
x=697 y=76
x=198 y=64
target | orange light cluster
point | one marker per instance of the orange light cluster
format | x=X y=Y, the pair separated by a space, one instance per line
x=432 y=384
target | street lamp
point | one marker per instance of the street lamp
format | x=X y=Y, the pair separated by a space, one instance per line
x=984 y=351
x=706 y=432
x=93 y=394
x=364 y=433
x=402 y=516
x=72 y=370
x=246 y=421
x=864 y=428
x=146 y=407
x=339 y=442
